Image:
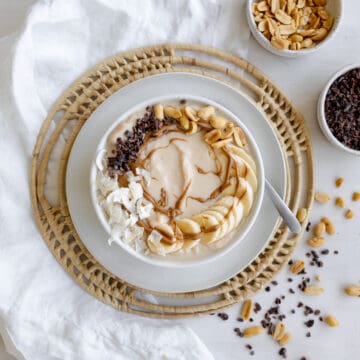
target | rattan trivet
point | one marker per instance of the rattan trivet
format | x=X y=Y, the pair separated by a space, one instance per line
x=87 y=93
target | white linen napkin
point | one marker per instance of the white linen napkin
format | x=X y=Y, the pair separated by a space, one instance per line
x=42 y=311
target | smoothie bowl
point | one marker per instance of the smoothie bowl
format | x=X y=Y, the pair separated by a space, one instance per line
x=177 y=181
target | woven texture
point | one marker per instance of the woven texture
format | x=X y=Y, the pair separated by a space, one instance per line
x=87 y=93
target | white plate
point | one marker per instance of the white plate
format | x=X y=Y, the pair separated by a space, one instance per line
x=114 y=258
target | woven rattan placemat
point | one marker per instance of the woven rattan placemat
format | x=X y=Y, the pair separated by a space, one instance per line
x=86 y=94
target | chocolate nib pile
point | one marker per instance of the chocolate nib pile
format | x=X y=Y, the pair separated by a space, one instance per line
x=127 y=148
x=342 y=109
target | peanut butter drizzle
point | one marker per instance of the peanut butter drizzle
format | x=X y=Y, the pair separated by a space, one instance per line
x=153 y=151
x=182 y=196
x=204 y=172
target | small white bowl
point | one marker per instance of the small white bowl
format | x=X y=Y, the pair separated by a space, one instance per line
x=321 y=111
x=246 y=224
x=335 y=8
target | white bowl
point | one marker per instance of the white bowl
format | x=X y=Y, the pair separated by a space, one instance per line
x=247 y=223
x=321 y=111
x=335 y=8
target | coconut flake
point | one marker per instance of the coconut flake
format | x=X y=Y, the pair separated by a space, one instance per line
x=100 y=160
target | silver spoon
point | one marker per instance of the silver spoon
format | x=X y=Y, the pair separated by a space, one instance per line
x=284 y=211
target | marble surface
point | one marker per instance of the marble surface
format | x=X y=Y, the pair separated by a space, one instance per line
x=302 y=79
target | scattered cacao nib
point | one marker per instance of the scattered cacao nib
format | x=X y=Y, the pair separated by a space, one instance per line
x=342 y=108
x=248 y=346
x=251 y=319
x=309 y=323
x=325 y=251
x=307 y=229
x=282 y=353
x=308 y=334
x=290 y=262
x=303 y=358
x=336 y=252
x=267 y=288
x=240 y=319
x=274 y=282
x=292 y=311
x=317 y=312
x=223 y=316
x=252 y=352
x=289 y=279
x=182 y=102
x=291 y=291
x=257 y=307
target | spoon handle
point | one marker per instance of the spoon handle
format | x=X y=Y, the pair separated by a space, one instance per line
x=284 y=211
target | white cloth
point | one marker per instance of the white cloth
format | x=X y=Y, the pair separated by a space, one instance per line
x=44 y=313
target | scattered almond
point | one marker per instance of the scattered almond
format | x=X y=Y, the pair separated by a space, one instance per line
x=301 y=214
x=339 y=181
x=317 y=278
x=193 y=128
x=352 y=290
x=329 y=225
x=340 y=202
x=349 y=214
x=297 y=266
x=316 y=241
x=253 y=331
x=184 y=122
x=322 y=197
x=285 y=339
x=356 y=196
x=279 y=331
x=313 y=290
x=239 y=137
x=319 y=229
x=331 y=321
x=246 y=309
x=191 y=113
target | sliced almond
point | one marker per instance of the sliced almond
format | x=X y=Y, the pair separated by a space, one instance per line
x=253 y=331
x=239 y=137
x=306 y=43
x=301 y=214
x=280 y=43
x=193 y=128
x=262 y=26
x=316 y=241
x=306 y=33
x=279 y=331
x=262 y=6
x=323 y=14
x=172 y=112
x=218 y=122
x=275 y=5
x=296 y=38
x=159 y=111
x=320 y=34
x=191 y=113
x=290 y=6
x=285 y=339
x=319 y=229
x=283 y=17
x=227 y=131
x=205 y=112
x=287 y=29
x=212 y=136
x=301 y=4
x=328 y=23
x=297 y=267
x=352 y=290
x=246 y=309
x=322 y=197
x=221 y=143
x=313 y=290
x=184 y=122
x=272 y=26
x=332 y=321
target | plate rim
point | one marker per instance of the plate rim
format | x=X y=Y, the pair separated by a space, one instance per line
x=251 y=103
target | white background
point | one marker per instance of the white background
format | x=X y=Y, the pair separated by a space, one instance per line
x=302 y=79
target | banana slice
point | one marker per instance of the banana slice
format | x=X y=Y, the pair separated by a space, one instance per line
x=156 y=245
x=243 y=154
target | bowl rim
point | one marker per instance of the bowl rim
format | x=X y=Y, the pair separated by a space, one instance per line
x=265 y=43
x=321 y=110
x=254 y=210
